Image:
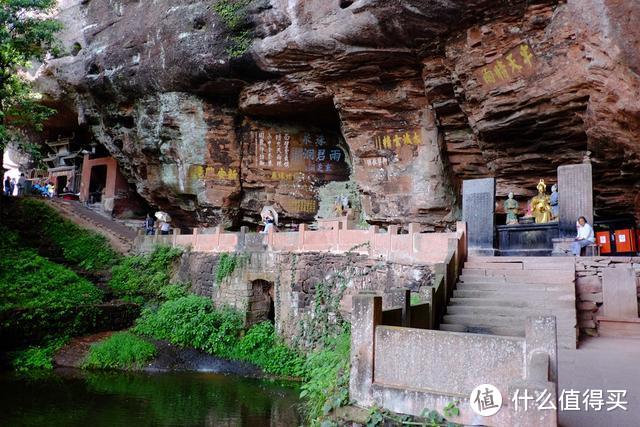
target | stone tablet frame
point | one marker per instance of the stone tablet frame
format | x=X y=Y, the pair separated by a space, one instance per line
x=478 y=211
x=575 y=197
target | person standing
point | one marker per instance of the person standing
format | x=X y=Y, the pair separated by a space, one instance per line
x=7 y=186
x=164 y=228
x=13 y=186
x=585 y=236
x=22 y=181
x=149 y=224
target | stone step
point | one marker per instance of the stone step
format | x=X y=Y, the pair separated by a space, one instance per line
x=510 y=320
x=509 y=331
x=509 y=294
x=521 y=287
x=452 y=327
x=525 y=301
x=510 y=311
x=469 y=276
x=537 y=276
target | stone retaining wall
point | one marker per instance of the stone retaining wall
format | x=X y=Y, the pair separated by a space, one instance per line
x=589 y=287
x=295 y=279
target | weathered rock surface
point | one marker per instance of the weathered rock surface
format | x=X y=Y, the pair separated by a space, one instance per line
x=414 y=95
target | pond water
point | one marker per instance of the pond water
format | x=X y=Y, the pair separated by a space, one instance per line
x=91 y=399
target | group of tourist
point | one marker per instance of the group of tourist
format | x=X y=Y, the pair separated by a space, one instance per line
x=162 y=226
x=10 y=186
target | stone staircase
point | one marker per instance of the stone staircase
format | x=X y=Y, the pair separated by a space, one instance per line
x=119 y=236
x=495 y=295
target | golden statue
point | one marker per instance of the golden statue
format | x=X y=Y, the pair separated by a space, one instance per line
x=541 y=204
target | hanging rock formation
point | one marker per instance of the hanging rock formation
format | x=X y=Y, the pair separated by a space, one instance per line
x=405 y=97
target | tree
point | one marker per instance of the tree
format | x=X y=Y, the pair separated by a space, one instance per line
x=26 y=33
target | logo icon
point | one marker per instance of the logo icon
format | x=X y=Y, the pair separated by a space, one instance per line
x=485 y=400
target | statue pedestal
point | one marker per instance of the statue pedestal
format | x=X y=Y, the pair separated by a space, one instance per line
x=527 y=239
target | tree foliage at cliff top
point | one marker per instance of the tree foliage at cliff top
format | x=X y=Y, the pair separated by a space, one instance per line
x=26 y=33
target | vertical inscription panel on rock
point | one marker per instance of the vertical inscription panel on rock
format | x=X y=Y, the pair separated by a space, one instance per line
x=575 y=196
x=478 y=208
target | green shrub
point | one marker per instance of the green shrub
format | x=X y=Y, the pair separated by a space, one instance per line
x=122 y=350
x=36 y=357
x=327 y=384
x=142 y=276
x=192 y=321
x=261 y=346
x=81 y=248
x=173 y=291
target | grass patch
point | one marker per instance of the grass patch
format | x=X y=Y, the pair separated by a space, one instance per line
x=122 y=350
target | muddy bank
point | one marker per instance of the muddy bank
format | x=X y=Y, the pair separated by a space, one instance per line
x=168 y=358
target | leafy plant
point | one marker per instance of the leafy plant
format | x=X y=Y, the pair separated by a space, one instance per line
x=36 y=357
x=327 y=384
x=232 y=13
x=192 y=321
x=122 y=350
x=227 y=263
x=261 y=346
x=143 y=276
x=26 y=33
x=428 y=418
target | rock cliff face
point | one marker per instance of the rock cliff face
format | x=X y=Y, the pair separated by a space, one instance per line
x=406 y=98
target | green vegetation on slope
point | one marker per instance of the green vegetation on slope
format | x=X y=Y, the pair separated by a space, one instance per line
x=40 y=300
x=39 y=224
x=122 y=350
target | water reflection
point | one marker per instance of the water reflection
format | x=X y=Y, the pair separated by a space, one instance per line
x=76 y=398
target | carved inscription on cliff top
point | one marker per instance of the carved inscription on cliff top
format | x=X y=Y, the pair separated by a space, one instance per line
x=518 y=62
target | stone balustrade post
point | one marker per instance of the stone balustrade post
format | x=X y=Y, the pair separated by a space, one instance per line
x=541 y=336
x=196 y=233
x=301 y=230
x=366 y=314
x=218 y=231
x=174 y=238
x=392 y=230
x=373 y=230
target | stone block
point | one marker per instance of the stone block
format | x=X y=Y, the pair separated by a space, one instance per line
x=575 y=196
x=478 y=211
x=620 y=293
x=366 y=314
x=595 y=297
x=588 y=284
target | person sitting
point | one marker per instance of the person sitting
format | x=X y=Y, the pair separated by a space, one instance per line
x=584 y=238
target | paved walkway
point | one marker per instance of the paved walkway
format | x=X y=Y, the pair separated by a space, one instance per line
x=120 y=236
x=602 y=364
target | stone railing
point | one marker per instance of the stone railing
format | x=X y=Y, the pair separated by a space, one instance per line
x=407 y=370
x=413 y=247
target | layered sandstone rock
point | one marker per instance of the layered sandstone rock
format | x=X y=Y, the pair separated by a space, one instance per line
x=406 y=98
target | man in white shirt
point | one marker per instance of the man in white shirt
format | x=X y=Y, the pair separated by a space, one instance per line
x=584 y=238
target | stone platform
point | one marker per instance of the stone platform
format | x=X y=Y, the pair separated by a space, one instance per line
x=526 y=239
